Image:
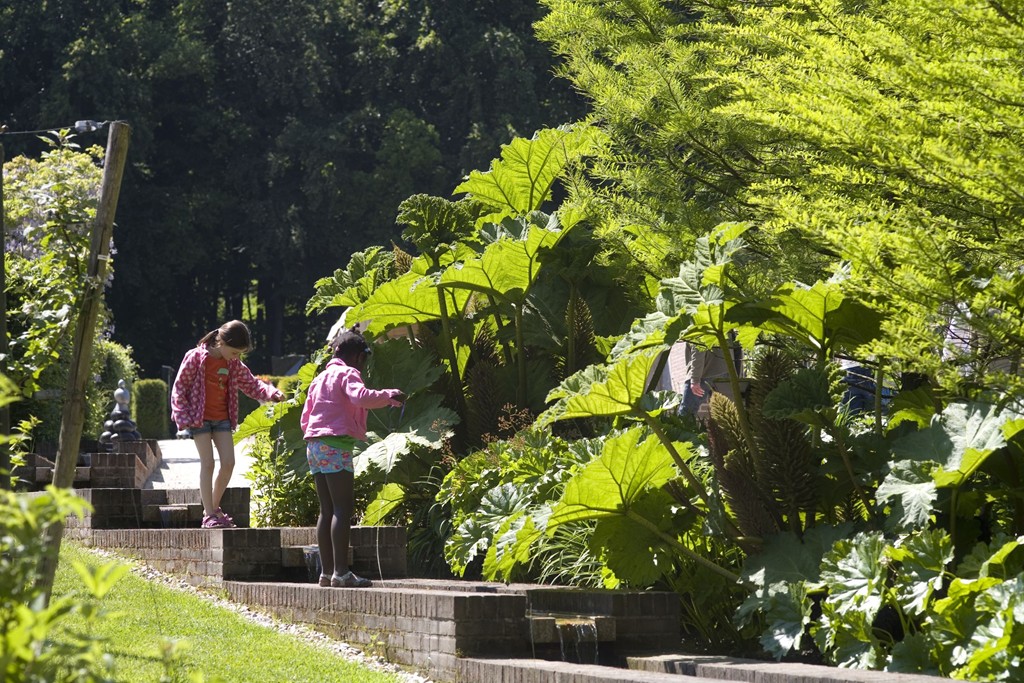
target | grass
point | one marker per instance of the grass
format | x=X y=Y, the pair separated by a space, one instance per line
x=206 y=639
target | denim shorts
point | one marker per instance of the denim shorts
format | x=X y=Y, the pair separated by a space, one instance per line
x=212 y=426
x=323 y=458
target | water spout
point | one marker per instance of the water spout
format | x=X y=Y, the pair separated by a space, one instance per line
x=578 y=640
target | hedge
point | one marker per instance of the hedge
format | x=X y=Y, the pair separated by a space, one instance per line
x=150 y=409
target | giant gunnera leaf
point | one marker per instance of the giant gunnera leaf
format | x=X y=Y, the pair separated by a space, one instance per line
x=613 y=390
x=611 y=484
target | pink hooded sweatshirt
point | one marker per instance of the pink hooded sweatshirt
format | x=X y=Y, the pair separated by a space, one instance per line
x=337 y=403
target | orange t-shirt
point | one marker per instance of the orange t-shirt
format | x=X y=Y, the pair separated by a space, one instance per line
x=216 y=407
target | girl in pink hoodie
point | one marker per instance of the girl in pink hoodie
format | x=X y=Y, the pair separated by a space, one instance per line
x=333 y=419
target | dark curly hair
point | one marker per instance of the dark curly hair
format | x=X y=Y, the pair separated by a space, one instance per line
x=350 y=343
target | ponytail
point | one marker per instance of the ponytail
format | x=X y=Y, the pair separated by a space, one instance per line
x=233 y=333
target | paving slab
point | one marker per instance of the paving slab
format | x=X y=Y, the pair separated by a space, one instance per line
x=179 y=466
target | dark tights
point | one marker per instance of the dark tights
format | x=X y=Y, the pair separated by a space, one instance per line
x=332 y=527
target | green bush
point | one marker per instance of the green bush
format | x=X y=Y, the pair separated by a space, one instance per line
x=110 y=362
x=28 y=651
x=282 y=495
x=285 y=383
x=149 y=406
x=45 y=406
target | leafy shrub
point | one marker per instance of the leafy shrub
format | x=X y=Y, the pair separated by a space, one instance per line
x=28 y=654
x=247 y=405
x=44 y=408
x=282 y=495
x=149 y=405
x=111 y=362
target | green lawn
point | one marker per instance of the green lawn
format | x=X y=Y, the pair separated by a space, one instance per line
x=214 y=642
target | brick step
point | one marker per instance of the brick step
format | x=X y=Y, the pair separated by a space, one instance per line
x=235 y=503
x=36 y=460
x=44 y=475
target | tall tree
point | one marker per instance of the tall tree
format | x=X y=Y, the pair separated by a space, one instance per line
x=271 y=141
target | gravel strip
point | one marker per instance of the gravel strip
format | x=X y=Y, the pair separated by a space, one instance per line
x=300 y=631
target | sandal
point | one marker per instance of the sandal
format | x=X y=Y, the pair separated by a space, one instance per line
x=325 y=581
x=211 y=522
x=228 y=522
x=350 y=580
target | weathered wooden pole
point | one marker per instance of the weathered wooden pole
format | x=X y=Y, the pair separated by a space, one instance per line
x=74 y=397
x=5 y=411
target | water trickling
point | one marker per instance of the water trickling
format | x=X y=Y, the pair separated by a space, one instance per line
x=578 y=640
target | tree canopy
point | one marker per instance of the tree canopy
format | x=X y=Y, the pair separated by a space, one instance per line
x=271 y=141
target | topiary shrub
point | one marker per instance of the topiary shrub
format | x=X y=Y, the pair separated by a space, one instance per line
x=149 y=406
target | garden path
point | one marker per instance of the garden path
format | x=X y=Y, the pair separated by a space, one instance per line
x=179 y=466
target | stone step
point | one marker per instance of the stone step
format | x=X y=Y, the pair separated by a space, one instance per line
x=44 y=475
x=36 y=460
x=235 y=503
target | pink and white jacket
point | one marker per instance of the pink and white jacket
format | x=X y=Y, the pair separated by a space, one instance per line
x=337 y=402
x=188 y=396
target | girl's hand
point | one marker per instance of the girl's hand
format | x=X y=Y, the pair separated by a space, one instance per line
x=278 y=397
x=396 y=397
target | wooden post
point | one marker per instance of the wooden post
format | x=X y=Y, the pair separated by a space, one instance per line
x=74 y=397
x=5 y=411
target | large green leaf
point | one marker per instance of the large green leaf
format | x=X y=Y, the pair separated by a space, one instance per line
x=384 y=455
x=821 y=316
x=493 y=527
x=471 y=537
x=273 y=418
x=917 y=406
x=804 y=397
x=506 y=269
x=848 y=638
x=855 y=573
x=612 y=483
x=784 y=572
x=910 y=492
x=501 y=557
x=354 y=283
x=434 y=223
x=1002 y=558
x=959 y=439
x=520 y=181
x=689 y=290
x=786 y=608
x=922 y=560
x=644 y=332
x=396 y=363
x=614 y=390
x=406 y=300
x=632 y=549
x=387 y=501
x=788 y=558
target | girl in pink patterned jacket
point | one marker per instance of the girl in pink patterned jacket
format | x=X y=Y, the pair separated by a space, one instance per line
x=204 y=406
